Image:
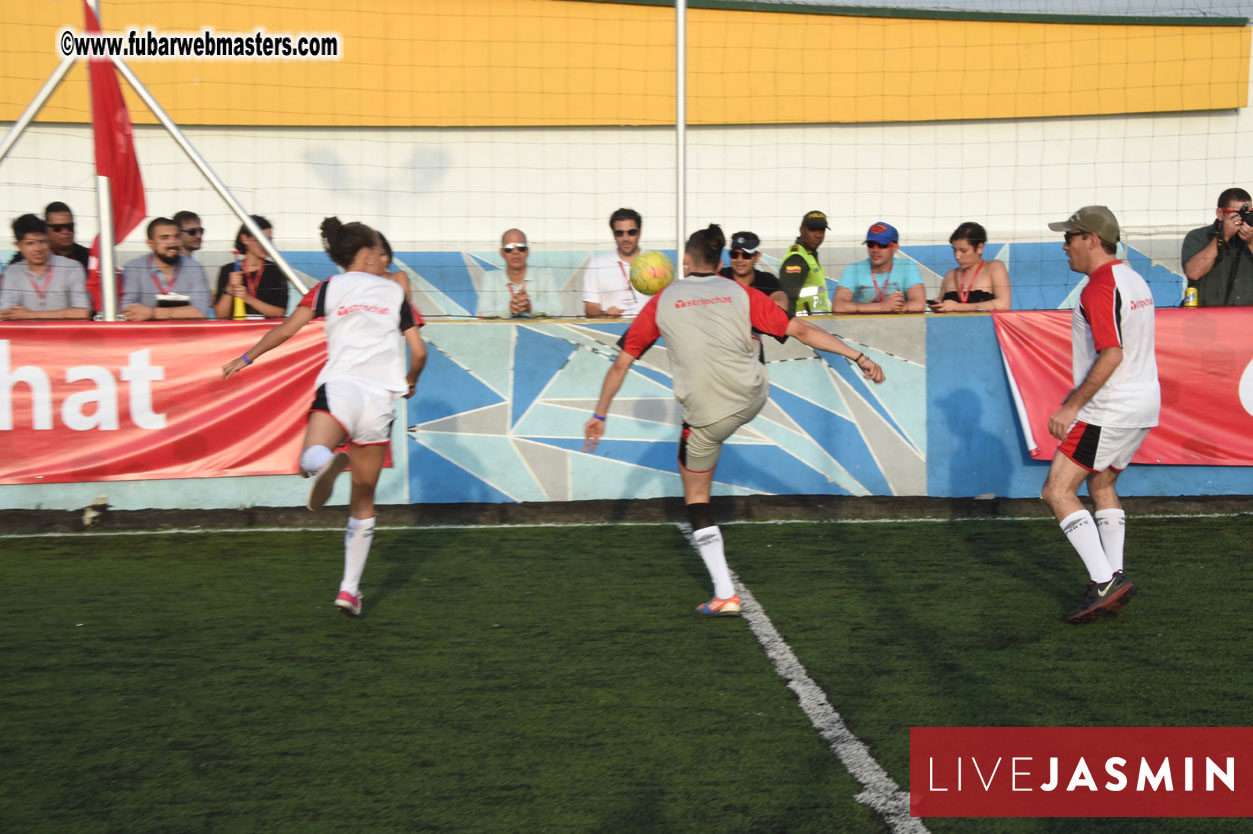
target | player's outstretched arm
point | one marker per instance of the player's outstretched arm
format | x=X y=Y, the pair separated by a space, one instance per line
x=594 y=428
x=417 y=357
x=272 y=339
x=819 y=339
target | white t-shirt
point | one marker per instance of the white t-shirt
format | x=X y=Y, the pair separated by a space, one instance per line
x=607 y=282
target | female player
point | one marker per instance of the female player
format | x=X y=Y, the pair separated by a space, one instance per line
x=719 y=378
x=975 y=285
x=363 y=375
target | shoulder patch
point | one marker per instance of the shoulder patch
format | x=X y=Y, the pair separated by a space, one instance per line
x=792 y=268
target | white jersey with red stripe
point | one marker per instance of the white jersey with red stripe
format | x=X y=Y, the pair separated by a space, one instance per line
x=715 y=358
x=1116 y=310
x=365 y=315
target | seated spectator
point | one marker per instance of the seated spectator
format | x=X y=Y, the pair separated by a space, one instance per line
x=42 y=285
x=745 y=254
x=252 y=278
x=523 y=291
x=607 y=289
x=881 y=284
x=1217 y=259
x=190 y=233
x=399 y=276
x=154 y=285
x=975 y=285
x=60 y=232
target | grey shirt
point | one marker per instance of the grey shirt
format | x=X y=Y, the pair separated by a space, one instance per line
x=63 y=285
x=143 y=279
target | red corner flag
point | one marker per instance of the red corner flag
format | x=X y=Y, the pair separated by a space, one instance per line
x=115 y=152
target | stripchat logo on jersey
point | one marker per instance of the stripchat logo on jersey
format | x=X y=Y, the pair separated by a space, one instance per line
x=1081 y=771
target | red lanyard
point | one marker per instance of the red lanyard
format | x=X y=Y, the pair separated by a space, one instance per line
x=42 y=290
x=162 y=289
x=878 y=293
x=964 y=292
x=253 y=280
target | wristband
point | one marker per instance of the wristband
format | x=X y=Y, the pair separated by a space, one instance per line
x=247 y=361
x=860 y=357
x=598 y=417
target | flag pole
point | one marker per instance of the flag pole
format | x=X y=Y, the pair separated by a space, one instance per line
x=104 y=210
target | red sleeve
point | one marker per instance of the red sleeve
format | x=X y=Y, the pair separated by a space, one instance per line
x=313 y=299
x=1101 y=302
x=643 y=331
x=766 y=316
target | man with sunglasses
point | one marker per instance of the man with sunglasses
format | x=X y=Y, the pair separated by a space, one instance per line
x=1106 y=416
x=523 y=291
x=59 y=223
x=190 y=233
x=745 y=254
x=800 y=274
x=1217 y=259
x=880 y=283
x=607 y=289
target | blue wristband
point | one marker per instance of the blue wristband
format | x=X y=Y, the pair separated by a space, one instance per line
x=247 y=361
x=598 y=417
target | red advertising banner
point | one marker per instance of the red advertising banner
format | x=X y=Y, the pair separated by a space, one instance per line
x=1204 y=364
x=123 y=401
x=1081 y=771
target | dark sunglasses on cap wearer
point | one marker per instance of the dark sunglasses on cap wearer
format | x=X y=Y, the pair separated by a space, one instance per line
x=1069 y=236
x=193 y=230
x=874 y=244
x=510 y=247
x=741 y=255
x=627 y=232
x=61 y=227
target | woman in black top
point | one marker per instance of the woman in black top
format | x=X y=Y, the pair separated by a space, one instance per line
x=251 y=277
x=976 y=285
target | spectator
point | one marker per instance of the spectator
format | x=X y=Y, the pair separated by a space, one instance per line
x=525 y=291
x=190 y=233
x=399 y=276
x=42 y=285
x=745 y=254
x=1216 y=258
x=975 y=285
x=607 y=289
x=60 y=234
x=901 y=290
x=800 y=273
x=166 y=273
x=252 y=278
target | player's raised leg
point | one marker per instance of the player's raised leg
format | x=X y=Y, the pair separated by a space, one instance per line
x=367 y=463
x=317 y=461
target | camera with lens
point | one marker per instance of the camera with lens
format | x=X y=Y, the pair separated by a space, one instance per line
x=1246 y=214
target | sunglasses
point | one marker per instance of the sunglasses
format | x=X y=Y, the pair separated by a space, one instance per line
x=61 y=227
x=741 y=255
x=627 y=232
x=193 y=230
x=1069 y=236
x=874 y=244
x=511 y=247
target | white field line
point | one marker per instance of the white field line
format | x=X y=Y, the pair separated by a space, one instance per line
x=402 y=527
x=880 y=792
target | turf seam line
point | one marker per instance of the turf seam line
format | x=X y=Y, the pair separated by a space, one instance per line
x=881 y=793
x=526 y=526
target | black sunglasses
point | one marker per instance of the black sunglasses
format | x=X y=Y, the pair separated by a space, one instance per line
x=193 y=230
x=629 y=232
x=509 y=247
x=874 y=244
x=61 y=227
x=1069 y=236
x=741 y=255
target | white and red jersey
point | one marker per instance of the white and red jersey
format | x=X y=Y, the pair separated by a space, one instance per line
x=1116 y=310
x=715 y=359
x=365 y=315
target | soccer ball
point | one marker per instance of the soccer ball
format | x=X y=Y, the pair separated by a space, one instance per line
x=651 y=272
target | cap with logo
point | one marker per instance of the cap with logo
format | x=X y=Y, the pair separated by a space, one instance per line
x=882 y=234
x=1092 y=220
x=746 y=241
x=814 y=220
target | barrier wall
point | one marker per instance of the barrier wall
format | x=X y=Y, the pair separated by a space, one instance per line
x=500 y=409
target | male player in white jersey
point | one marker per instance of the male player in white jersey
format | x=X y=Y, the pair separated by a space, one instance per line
x=719 y=378
x=1105 y=418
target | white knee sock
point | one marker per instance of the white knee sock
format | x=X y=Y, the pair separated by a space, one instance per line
x=356 y=550
x=709 y=543
x=1081 y=530
x=1112 y=525
x=314 y=458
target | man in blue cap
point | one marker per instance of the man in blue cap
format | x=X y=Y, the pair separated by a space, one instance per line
x=881 y=284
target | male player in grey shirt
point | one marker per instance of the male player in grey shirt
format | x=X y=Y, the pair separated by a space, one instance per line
x=719 y=379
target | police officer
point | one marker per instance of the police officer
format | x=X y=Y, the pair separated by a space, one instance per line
x=800 y=273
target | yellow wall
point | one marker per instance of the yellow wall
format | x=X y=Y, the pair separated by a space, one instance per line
x=550 y=62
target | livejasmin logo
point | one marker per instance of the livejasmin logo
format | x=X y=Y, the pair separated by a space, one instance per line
x=95 y=407
x=1021 y=772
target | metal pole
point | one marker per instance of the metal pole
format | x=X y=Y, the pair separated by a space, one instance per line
x=680 y=128
x=35 y=105
x=108 y=275
x=218 y=185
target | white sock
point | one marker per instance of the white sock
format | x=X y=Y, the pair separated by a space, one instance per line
x=709 y=543
x=356 y=550
x=314 y=458
x=1081 y=530
x=1112 y=525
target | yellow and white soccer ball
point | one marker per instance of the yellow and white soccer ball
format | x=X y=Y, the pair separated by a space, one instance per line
x=651 y=272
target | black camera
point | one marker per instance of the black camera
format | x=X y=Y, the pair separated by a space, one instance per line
x=1246 y=214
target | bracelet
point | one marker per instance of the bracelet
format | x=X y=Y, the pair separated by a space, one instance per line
x=860 y=357
x=247 y=361
x=598 y=417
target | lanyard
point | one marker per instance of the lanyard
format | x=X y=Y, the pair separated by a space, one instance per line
x=878 y=293
x=964 y=292
x=253 y=280
x=41 y=289
x=162 y=289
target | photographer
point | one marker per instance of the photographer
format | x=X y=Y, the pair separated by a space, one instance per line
x=1217 y=259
